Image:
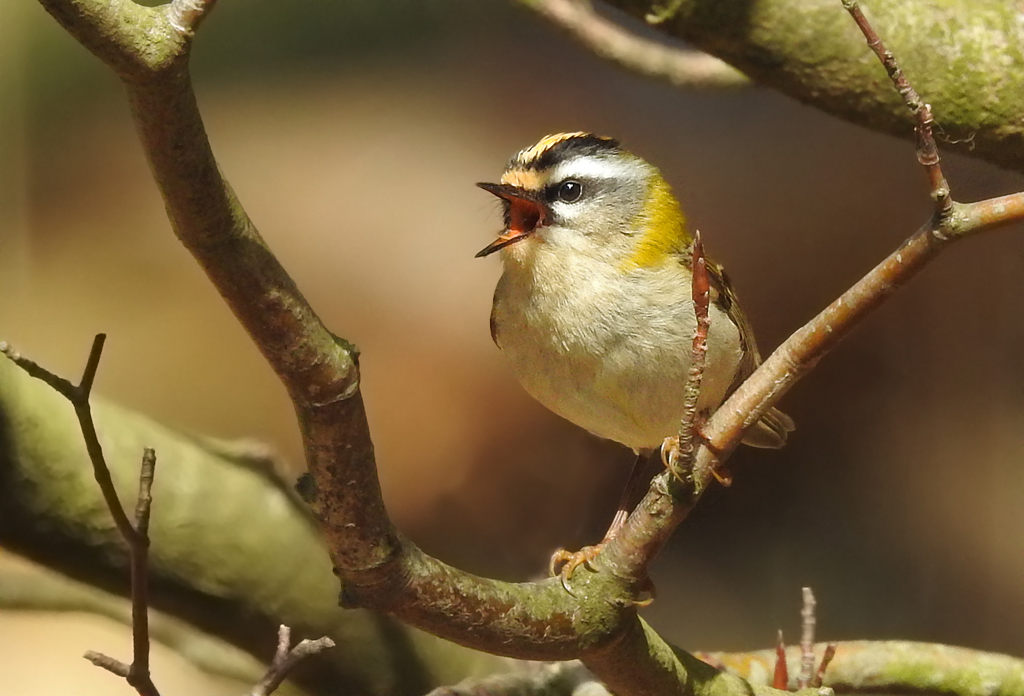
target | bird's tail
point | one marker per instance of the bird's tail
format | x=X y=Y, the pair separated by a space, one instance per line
x=770 y=432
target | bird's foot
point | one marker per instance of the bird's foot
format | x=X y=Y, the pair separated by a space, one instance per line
x=564 y=563
x=671 y=454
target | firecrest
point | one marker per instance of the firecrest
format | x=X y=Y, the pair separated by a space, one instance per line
x=594 y=309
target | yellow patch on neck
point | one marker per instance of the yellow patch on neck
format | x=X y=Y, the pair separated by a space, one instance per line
x=661 y=225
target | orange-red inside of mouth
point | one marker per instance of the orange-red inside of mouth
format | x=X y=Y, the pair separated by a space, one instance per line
x=523 y=216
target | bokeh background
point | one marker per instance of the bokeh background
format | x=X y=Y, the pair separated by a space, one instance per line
x=354 y=132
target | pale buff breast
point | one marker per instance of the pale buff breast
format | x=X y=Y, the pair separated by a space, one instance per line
x=608 y=350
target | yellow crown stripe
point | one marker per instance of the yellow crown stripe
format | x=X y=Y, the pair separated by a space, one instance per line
x=534 y=152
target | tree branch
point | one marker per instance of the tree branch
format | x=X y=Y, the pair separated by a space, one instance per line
x=962 y=55
x=892 y=666
x=671 y=498
x=236 y=583
x=680 y=67
x=137 y=537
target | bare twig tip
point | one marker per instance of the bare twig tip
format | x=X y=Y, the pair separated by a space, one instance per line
x=826 y=660
x=91 y=365
x=108 y=663
x=285 y=659
x=808 y=621
x=185 y=15
x=927 y=151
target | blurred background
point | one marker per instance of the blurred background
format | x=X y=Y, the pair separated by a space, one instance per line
x=354 y=132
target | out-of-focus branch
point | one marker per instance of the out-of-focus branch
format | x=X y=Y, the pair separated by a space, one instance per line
x=185 y=15
x=235 y=585
x=285 y=658
x=808 y=622
x=960 y=54
x=30 y=587
x=893 y=666
x=137 y=538
x=610 y=40
x=79 y=395
x=531 y=679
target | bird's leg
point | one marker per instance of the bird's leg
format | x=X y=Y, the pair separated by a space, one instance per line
x=565 y=562
x=670 y=450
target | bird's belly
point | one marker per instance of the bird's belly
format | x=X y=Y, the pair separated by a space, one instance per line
x=622 y=379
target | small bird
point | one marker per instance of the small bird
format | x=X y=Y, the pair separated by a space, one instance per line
x=594 y=310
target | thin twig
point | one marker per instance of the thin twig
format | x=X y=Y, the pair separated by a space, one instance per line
x=78 y=395
x=679 y=66
x=927 y=150
x=826 y=660
x=115 y=667
x=80 y=400
x=139 y=675
x=59 y=384
x=92 y=364
x=681 y=449
x=137 y=537
x=807 y=624
x=285 y=660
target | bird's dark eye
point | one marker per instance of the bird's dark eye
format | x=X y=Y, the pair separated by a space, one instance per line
x=570 y=191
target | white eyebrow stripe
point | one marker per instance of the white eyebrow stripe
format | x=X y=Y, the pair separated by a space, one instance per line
x=593 y=168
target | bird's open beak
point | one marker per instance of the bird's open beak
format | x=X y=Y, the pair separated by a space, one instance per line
x=525 y=214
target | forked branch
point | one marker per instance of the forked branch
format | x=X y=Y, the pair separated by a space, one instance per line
x=286 y=657
x=135 y=536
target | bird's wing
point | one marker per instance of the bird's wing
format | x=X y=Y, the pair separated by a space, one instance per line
x=774 y=426
x=724 y=297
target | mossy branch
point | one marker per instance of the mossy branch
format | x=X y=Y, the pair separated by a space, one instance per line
x=964 y=56
x=227 y=537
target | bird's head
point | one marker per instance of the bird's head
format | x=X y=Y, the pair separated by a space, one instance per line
x=582 y=192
